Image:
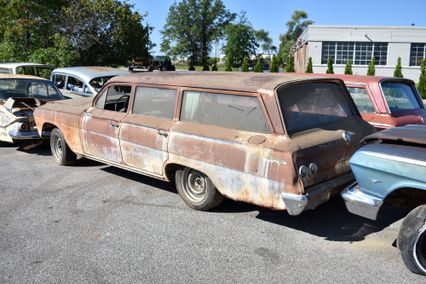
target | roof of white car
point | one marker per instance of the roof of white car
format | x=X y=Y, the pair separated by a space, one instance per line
x=87 y=73
x=21 y=76
x=18 y=64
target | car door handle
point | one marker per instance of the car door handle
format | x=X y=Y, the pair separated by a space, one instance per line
x=114 y=125
x=163 y=132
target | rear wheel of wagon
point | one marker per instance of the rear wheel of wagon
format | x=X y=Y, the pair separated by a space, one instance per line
x=60 y=150
x=196 y=189
x=412 y=240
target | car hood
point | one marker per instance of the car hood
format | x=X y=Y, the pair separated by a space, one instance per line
x=412 y=133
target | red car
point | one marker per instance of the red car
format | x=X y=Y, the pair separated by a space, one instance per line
x=384 y=101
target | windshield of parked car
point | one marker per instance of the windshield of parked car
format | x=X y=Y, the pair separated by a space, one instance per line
x=27 y=88
x=5 y=70
x=400 y=96
x=313 y=105
x=39 y=71
x=97 y=83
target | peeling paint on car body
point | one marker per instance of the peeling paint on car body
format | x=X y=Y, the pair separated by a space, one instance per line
x=243 y=165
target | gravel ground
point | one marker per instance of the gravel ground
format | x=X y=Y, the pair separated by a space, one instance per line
x=92 y=223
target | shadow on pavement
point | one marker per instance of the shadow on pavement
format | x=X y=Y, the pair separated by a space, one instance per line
x=333 y=222
x=163 y=185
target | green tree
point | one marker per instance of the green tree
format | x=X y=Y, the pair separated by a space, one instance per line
x=228 y=65
x=330 y=69
x=214 y=67
x=309 y=68
x=191 y=27
x=60 y=54
x=264 y=41
x=372 y=67
x=245 y=66
x=274 y=65
x=398 y=69
x=348 y=67
x=103 y=31
x=290 y=64
x=422 y=80
x=240 y=41
x=295 y=27
x=258 y=67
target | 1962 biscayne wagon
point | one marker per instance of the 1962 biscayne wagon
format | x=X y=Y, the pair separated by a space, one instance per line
x=392 y=167
x=277 y=141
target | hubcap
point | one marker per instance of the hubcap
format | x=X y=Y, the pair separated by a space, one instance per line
x=420 y=249
x=57 y=146
x=194 y=185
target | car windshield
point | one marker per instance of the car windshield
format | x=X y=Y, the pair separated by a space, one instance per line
x=5 y=70
x=400 y=96
x=314 y=105
x=97 y=83
x=26 y=88
x=39 y=71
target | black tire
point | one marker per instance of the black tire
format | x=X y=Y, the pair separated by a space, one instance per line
x=60 y=150
x=412 y=240
x=196 y=189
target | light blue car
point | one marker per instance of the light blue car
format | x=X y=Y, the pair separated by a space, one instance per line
x=392 y=166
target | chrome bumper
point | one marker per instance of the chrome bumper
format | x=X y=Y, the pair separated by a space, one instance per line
x=360 y=203
x=295 y=203
x=27 y=135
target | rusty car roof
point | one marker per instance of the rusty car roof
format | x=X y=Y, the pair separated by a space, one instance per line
x=233 y=81
x=21 y=76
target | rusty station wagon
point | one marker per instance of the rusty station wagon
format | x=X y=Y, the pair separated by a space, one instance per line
x=277 y=141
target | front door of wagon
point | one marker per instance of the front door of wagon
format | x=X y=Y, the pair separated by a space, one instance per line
x=101 y=124
x=145 y=131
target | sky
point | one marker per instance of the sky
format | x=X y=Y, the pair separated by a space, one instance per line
x=272 y=15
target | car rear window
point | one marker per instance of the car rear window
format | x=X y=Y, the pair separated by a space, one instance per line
x=399 y=96
x=24 y=88
x=361 y=99
x=314 y=105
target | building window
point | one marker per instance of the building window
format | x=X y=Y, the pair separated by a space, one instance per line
x=417 y=54
x=344 y=52
x=359 y=52
x=328 y=50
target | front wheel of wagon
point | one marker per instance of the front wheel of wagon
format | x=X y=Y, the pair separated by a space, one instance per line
x=196 y=189
x=60 y=150
x=412 y=240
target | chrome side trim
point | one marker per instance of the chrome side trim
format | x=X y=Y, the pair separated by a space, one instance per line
x=395 y=158
x=360 y=203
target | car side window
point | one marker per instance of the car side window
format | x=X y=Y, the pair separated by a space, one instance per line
x=361 y=99
x=59 y=81
x=115 y=98
x=74 y=84
x=155 y=102
x=230 y=111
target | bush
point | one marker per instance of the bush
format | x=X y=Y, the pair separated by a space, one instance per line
x=245 y=66
x=398 y=69
x=348 y=67
x=228 y=67
x=274 y=68
x=422 y=80
x=214 y=67
x=372 y=67
x=309 y=68
x=258 y=67
x=330 y=66
x=290 y=64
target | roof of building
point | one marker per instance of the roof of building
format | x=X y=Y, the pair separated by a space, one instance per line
x=233 y=81
x=87 y=73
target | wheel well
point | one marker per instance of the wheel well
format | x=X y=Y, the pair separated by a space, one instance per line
x=48 y=127
x=170 y=171
x=406 y=197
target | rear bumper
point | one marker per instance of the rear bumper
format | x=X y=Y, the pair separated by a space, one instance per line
x=361 y=203
x=27 y=135
x=317 y=195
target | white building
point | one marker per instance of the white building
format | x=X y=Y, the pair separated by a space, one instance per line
x=360 y=44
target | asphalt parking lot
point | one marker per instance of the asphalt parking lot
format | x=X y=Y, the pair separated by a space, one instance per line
x=92 y=223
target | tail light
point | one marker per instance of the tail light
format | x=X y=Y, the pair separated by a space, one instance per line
x=24 y=126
